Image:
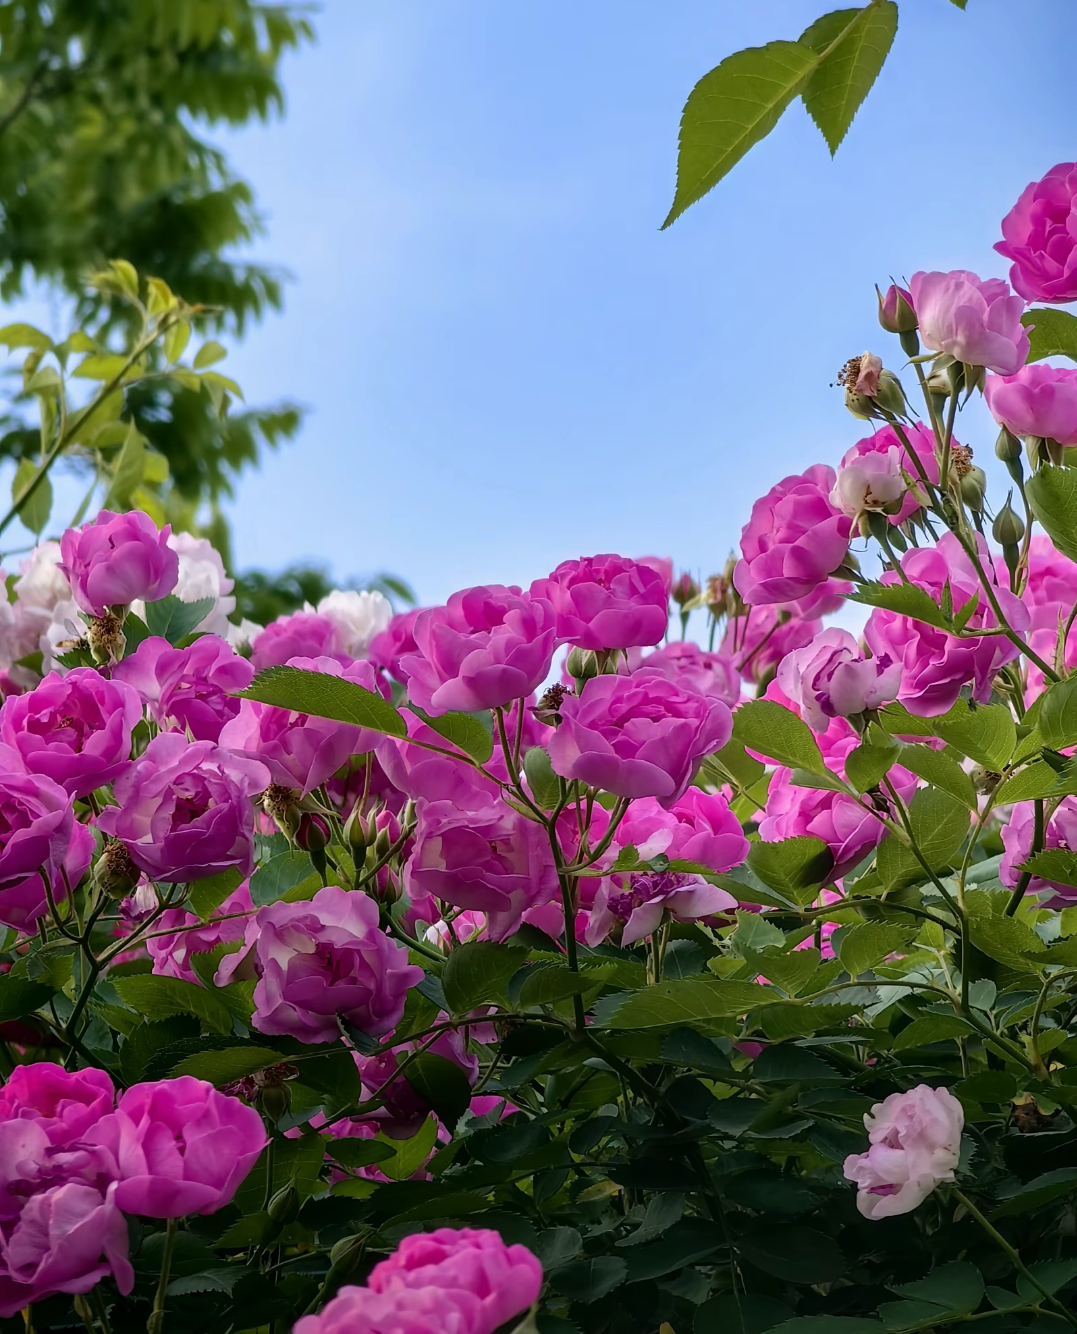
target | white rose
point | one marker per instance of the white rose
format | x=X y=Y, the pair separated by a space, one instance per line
x=358 y=617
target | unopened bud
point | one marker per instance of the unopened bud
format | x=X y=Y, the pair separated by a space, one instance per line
x=283 y=1208
x=312 y=834
x=1007 y=446
x=274 y=1100
x=685 y=590
x=1008 y=528
x=345 y=1257
x=581 y=664
x=357 y=834
x=896 y=313
x=974 y=488
x=115 y=874
x=890 y=396
x=938 y=381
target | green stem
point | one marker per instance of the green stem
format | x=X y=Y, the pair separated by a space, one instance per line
x=157 y=1315
x=1021 y=888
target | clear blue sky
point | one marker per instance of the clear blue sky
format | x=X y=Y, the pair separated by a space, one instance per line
x=506 y=362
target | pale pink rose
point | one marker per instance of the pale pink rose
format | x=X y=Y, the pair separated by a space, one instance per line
x=915 y=1144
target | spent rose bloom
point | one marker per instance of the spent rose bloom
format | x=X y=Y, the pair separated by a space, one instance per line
x=694 y=668
x=976 y=320
x=794 y=540
x=915 y=1142
x=608 y=602
x=872 y=469
x=301 y=751
x=322 y=958
x=1040 y=236
x=831 y=678
x=1061 y=832
x=39 y=835
x=116 y=559
x=179 y=1147
x=1038 y=400
x=179 y=934
x=304 y=634
x=485 y=648
x=75 y=729
x=190 y=689
x=184 y=809
x=936 y=665
x=638 y=735
x=490 y=858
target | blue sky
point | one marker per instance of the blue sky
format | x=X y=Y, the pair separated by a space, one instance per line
x=506 y=362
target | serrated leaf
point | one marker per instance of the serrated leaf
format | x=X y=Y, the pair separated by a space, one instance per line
x=207 y=895
x=174 y=620
x=1055 y=864
x=931 y=1028
x=162 y=997
x=730 y=109
x=1035 y=780
x=939 y=769
x=792 y=1252
x=866 y=945
x=35 y=510
x=904 y=599
x=323 y=696
x=1038 y=1192
x=477 y=974
x=410 y=1154
x=545 y=983
x=939 y=825
x=867 y=764
x=542 y=782
x=776 y=732
x=781 y=1022
x=279 y=875
x=1051 y=333
x=222 y=1067
x=470 y=732
x=1058 y=713
x=685 y=1002
x=589 y=1280
x=20 y=997
x=855 y=53
x=1005 y=939
x=442 y=1084
x=1052 y=496
x=793 y=865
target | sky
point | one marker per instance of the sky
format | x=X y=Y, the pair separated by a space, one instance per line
x=506 y=363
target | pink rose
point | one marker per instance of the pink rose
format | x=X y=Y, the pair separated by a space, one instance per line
x=75 y=729
x=304 y=634
x=935 y=665
x=638 y=903
x=1061 y=832
x=116 y=559
x=1040 y=234
x=423 y=774
x=1048 y=595
x=388 y=648
x=39 y=835
x=191 y=688
x=831 y=678
x=872 y=469
x=179 y=1147
x=1038 y=400
x=794 y=540
x=64 y=1103
x=694 y=668
x=178 y=934
x=978 y=321
x=699 y=827
x=915 y=1144
x=608 y=602
x=184 y=809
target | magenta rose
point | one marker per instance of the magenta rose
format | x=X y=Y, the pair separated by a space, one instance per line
x=184 y=809
x=75 y=729
x=65 y=1103
x=304 y=634
x=39 y=836
x=395 y=642
x=485 y=648
x=1048 y=595
x=699 y=827
x=424 y=775
x=976 y=320
x=637 y=736
x=759 y=640
x=608 y=602
x=321 y=959
x=1038 y=400
x=178 y=934
x=179 y=1147
x=831 y=678
x=1040 y=236
x=794 y=540
x=301 y=751
x=490 y=858
x=403 y=1108
x=694 y=668
x=638 y=903
x=915 y=1140
x=190 y=689
x=935 y=665
x=117 y=559
x=1061 y=832
x=875 y=468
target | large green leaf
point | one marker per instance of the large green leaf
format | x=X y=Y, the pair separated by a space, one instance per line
x=588 y=1280
x=207 y=895
x=1058 y=713
x=958 y=1286
x=939 y=825
x=280 y=875
x=1052 y=333
x=866 y=765
x=1005 y=939
x=986 y=733
x=1052 y=495
x=730 y=109
x=441 y=1083
x=20 y=997
x=35 y=510
x=542 y=782
x=162 y=997
x=470 y=732
x=931 y=1028
x=477 y=973
x=905 y=599
x=174 y=620
x=323 y=696
x=686 y=1002
x=222 y=1067
x=939 y=769
x=776 y=732
x=865 y=946
x=793 y=865
x=856 y=51
x=792 y=1252
x=1057 y=864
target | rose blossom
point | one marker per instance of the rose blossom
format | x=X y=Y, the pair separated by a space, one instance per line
x=423 y=774
x=116 y=559
x=1048 y=594
x=794 y=540
x=639 y=902
x=191 y=689
x=358 y=616
x=403 y=1108
x=75 y=729
x=65 y=1103
x=976 y=320
x=39 y=835
x=637 y=736
x=201 y=576
x=871 y=472
x=388 y=648
x=1061 y=832
x=698 y=827
x=1038 y=400
x=302 y=635
x=485 y=648
x=322 y=958
x=915 y=1144
x=171 y=953
x=608 y=602
x=179 y=1147
x=490 y=858
x=935 y=665
x=694 y=668
x=184 y=809
x=1040 y=234
x=302 y=751
x=831 y=678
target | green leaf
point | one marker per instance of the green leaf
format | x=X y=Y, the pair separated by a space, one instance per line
x=176 y=340
x=905 y=599
x=13 y=336
x=987 y=734
x=745 y=1313
x=1035 y=780
x=1058 y=714
x=544 y=983
x=162 y=997
x=477 y=974
x=931 y=1028
x=941 y=770
x=849 y=67
x=208 y=355
x=441 y=1083
x=34 y=514
x=174 y=620
x=867 y=764
x=865 y=946
x=412 y=1153
x=792 y=971
x=1056 y=864
x=222 y=1067
x=470 y=732
x=793 y=865
x=207 y=895
x=355 y=1153
x=1041 y=1190
x=781 y=1022
x=542 y=782
x=1050 y=1275
x=684 y=1046
x=829 y=1324
x=1052 y=497
x=279 y=875
x=988 y=1086
x=685 y=1002
x=100 y=366
x=792 y=1252
x=323 y=696
x=589 y=1280
x=20 y=997
x=730 y=109
x=1051 y=333
x=127 y=470
x=1005 y=939
x=939 y=825
x=775 y=731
